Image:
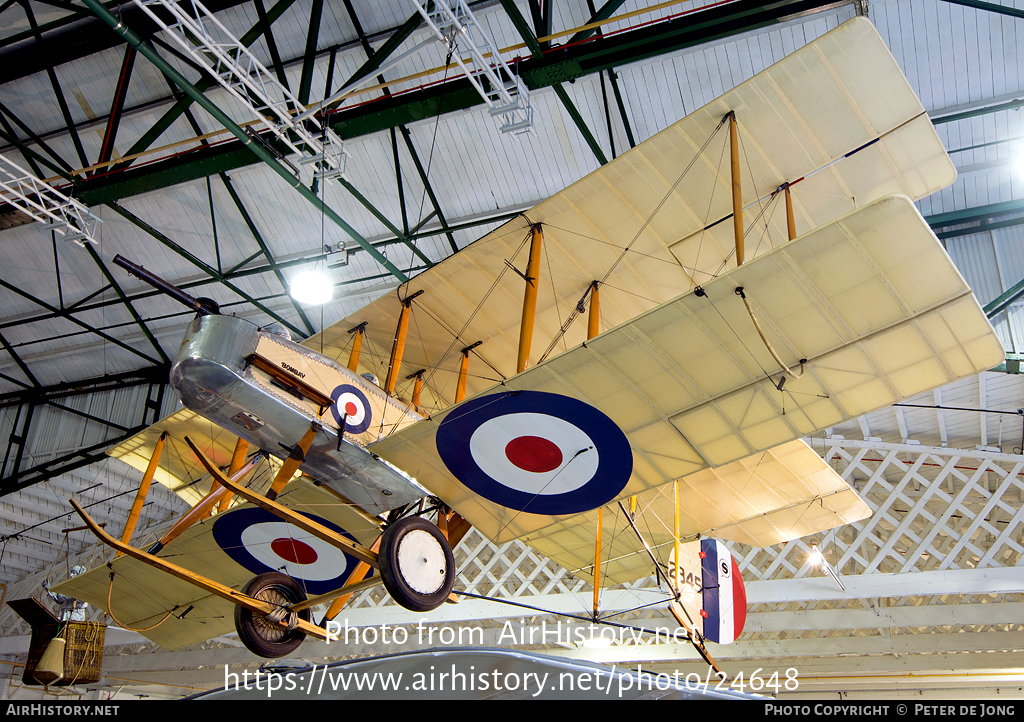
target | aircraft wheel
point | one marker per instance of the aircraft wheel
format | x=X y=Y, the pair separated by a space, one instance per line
x=416 y=564
x=261 y=636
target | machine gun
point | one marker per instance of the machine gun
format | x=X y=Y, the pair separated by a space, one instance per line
x=202 y=306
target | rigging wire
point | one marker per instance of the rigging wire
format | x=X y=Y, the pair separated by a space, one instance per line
x=575 y=313
x=110 y=611
x=581 y=618
x=551 y=282
x=433 y=140
x=707 y=215
x=457 y=336
x=541 y=490
x=480 y=305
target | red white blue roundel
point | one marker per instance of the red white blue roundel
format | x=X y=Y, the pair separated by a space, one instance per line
x=536 y=452
x=351 y=404
x=261 y=542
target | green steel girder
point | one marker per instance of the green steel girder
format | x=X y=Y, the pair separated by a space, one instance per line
x=240 y=272
x=606 y=11
x=268 y=38
x=581 y=124
x=15 y=381
x=400 y=234
x=8 y=134
x=538 y=53
x=398 y=182
x=255 y=148
x=1005 y=300
x=1012 y=364
x=407 y=136
x=968 y=215
x=309 y=58
x=21 y=364
x=66 y=314
x=128 y=304
x=591 y=57
x=990 y=7
x=16 y=478
x=952 y=117
x=203 y=84
x=58 y=92
x=622 y=108
x=982 y=215
x=263 y=247
x=384 y=52
x=206 y=268
x=61 y=165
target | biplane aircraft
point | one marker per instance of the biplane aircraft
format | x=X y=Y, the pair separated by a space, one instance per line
x=730 y=315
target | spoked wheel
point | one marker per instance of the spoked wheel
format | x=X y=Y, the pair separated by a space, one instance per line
x=416 y=564
x=261 y=635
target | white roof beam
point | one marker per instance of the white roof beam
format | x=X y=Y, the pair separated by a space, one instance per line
x=998 y=580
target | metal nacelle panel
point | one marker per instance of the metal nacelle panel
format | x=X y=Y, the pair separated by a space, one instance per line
x=213 y=376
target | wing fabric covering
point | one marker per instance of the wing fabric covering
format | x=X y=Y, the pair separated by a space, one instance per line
x=231 y=548
x=871 y=300
x=780 y=494
x=837 y=114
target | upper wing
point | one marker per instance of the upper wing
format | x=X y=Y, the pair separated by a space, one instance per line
x=231 y=548
x=871 y=301
x=837 y=116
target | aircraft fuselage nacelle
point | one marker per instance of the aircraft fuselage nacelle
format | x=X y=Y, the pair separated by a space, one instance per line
x=268 y=390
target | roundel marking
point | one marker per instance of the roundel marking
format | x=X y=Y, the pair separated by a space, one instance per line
x=261 y=542
x=537 y=452
x=351 y=404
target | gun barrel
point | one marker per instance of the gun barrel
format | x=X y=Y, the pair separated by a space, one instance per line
x=202 y=306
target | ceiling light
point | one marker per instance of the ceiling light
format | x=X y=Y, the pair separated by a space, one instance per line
x=815 y=558
x=601 y=642
x=312 y=288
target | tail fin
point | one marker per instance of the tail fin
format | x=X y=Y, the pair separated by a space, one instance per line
x=711 y=590
x=724 y=596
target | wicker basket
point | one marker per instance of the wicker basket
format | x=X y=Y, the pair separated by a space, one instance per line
x=83 y=652
x=83 y=648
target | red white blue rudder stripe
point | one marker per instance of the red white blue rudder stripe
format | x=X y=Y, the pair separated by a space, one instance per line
x=725 y=597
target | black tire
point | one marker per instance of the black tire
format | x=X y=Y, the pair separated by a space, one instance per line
x=411 y=550
x=261 y=637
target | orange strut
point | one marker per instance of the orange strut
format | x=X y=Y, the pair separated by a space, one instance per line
x=140 y=495
x=737 y=189
x=530 y=300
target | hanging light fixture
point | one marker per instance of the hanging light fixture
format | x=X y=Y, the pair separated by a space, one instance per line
x=817 y=559
x=312 y=288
